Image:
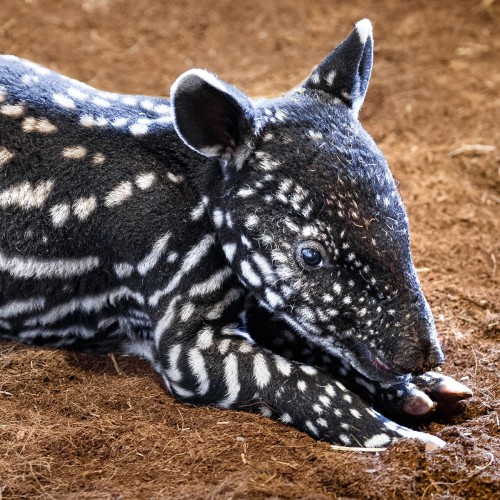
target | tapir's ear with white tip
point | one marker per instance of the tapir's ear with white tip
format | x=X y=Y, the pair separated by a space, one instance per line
x=210 y=116
x=345 y=73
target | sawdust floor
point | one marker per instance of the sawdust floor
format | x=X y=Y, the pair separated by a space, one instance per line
x=71 y=426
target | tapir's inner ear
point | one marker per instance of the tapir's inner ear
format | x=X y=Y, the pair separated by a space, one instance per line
x=210 y=116
x=345 y=73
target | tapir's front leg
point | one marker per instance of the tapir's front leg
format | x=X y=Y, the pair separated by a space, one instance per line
x=414 y=396
x=216 y=367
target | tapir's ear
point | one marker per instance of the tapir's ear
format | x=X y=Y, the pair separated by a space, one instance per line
x=211 y=116
x=345 y=73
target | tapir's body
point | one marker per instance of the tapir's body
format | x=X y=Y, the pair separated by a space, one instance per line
x=97 y=200
x=205 y=232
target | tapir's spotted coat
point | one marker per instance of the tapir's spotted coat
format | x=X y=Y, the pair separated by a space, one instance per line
x=256 y=253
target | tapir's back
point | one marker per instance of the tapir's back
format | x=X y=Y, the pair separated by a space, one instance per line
x=87 y=194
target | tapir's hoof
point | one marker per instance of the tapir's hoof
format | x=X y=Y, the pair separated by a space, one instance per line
x=445 y=391
x=448 y=390
x=418 y=404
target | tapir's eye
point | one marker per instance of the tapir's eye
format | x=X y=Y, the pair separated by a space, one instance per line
x=311 y=257
x=311 y=254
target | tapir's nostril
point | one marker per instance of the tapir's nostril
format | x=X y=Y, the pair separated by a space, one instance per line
x=415 y=358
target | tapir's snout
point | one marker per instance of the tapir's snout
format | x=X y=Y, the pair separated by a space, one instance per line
x=419 y=349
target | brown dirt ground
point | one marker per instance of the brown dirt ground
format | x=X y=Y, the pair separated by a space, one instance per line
x=72 y=426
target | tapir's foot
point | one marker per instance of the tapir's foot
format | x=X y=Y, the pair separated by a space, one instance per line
x=446 y=392
x=428 y=393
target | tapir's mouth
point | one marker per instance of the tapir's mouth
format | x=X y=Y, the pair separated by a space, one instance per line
x=375 y=368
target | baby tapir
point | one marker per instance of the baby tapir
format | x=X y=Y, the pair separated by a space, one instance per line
x=256 y=252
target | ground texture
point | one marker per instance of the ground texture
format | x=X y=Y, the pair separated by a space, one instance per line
x=79 y=426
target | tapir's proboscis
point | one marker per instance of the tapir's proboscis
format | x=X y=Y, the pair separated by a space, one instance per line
x=256 y=252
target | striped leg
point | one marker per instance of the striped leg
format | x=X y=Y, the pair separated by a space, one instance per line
x=215 y=367
x=414 y=397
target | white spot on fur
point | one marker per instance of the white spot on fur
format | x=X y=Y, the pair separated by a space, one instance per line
x=261 y=372
x=119 y=122
x=312 y=428
x=224 y=346
x=246 y=241
x=40 y=125
x=322 y=422
x=355 y=413
x=315 y=78
x=172 y=257
x=377 y=441
x=30 y=267
x=77 y=94
x=211 y=284
x=146 y=104
x=218 y=309
x=119 y=194
x=251 y=221
x=218 y=217
x=280 y=115
x=198 y=211
x=128 y=99
x=29 y=80
x=162 y=109
x=347 y=397
x=98 y=159
x=330 y=77
x=301 y=386
x=74 y=152
x=152 y=258
x=273 y=298
x=330 y=390
x=145 y=181
x=83 y=207
x=5 y=156
x=309 y=370
x=205 y=339
x=123 y=269
x=231 y=379
x=138 y=129
x=12 y=110
x=283 y=366
x=176 y=179
x=229 y=251
x=286 y=418
x=249 y=274
x=64 y=101
x=99 y=101
x=325 y=400
x=197 y=365
x=345 y=439
x=315 y=136
x=245 y=192
x=60 y=214
x=245 y=347
x=18 y=307
x=25 y=195
x=87 y=121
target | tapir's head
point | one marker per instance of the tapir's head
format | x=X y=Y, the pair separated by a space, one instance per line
x=308 y=212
